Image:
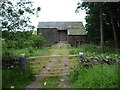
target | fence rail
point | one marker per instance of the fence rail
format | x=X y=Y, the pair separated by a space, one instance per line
x=52 y=56
x=39 y=62
x=51 y=75
x=54 y=72
x=61 y=69
x=54 y=65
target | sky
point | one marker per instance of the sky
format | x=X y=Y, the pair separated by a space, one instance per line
x=58 y=10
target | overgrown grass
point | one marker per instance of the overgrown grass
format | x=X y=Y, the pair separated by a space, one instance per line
x=17 y=78
x=99 y=76
x=28 y=51
x=51 y=82
x=94 y=51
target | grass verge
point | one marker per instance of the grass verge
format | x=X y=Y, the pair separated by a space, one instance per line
x=99 y=76
x=17 y=78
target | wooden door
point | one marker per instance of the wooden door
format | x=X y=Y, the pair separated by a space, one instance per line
x=63 y=35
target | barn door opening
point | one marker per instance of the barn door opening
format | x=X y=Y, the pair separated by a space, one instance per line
x=63 y=35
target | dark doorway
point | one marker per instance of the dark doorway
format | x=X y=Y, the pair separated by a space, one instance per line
x=63 y=35
x=77 y=43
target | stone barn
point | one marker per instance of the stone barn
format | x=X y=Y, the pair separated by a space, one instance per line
x=71 y=32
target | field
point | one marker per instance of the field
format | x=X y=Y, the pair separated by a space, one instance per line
x=95 y=76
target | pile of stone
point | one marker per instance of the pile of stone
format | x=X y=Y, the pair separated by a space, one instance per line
x=92 y=61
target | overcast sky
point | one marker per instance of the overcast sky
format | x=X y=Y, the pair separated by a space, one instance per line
x=58 y=10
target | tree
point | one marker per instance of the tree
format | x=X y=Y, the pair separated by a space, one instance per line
x=114 y=31
x=110 y=12
x=92 y=9
x=101 y=29
x=17 y=16
x=113 y=10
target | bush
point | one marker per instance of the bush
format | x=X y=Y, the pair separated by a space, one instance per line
x=6 y=54
x=19 y=40
x=28 y=43
x=38 y=40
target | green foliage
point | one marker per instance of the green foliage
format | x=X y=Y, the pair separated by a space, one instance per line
x=96 y=76
x=6 y=54
x=18 y=78
x=16 y=16
x=38 y=40
x=16 y=35
x=93 y=18
x=99 y=76
x=14 y=53
x=94 y=51
x=19 y=40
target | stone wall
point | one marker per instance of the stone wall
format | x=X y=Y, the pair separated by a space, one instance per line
x=77 y=40
x=51 y=35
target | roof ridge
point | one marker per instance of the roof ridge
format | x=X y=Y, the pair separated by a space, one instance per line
x=60 y=21
x=75 y=28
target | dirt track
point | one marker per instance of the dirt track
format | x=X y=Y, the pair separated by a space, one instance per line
x=59 y=49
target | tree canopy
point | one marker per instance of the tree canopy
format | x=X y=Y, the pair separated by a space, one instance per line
x=16 y=16
x=111 y=19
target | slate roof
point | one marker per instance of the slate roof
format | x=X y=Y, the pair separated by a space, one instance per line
x=74 y=28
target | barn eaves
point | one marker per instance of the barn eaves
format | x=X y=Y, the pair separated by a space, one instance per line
x=74 y=28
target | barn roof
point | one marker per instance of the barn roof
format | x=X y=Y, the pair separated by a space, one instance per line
x=74 y=28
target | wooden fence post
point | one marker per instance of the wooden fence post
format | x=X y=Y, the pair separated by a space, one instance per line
x=81 y=57
x=23 y=61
